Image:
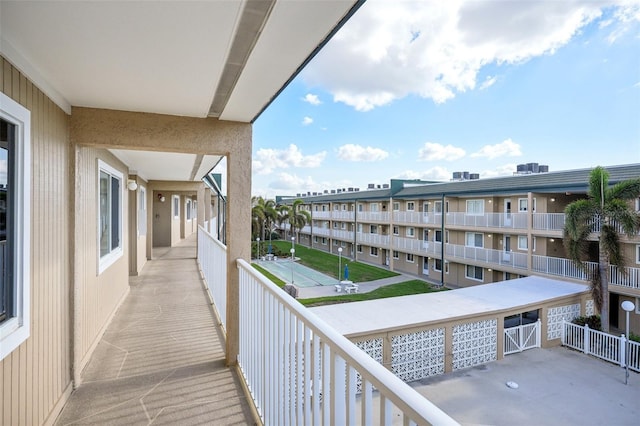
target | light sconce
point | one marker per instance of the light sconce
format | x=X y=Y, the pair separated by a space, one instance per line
x=551 y=240
x=489 y=235
x=489 y=270
x=161 y=198
x=553 y=200
x=132 y=185
x=490 y=201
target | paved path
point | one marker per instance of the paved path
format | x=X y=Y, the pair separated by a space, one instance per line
x=161 y=360
x=321 y=291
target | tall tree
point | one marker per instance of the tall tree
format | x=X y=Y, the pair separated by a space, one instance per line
x=296 y=217
x=608 y=212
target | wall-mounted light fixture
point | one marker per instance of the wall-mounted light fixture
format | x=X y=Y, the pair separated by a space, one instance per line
x=132 y=185
x=553 y=200
x=551 y=240
x=161 y=198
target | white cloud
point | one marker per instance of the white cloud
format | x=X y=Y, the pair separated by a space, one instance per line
x=312 y=99
x=435 y=173
x=306 y=121
x=507 y=148
x=291 y=182
x=435 y=49
x=488 y=82
x=351 y=152
x=267 y=159
x=435 y=151
x=505 y=170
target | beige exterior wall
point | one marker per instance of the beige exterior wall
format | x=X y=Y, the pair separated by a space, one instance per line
x=97 y=295
x=35 y=379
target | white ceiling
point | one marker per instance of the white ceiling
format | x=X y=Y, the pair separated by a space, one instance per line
x=208 y=58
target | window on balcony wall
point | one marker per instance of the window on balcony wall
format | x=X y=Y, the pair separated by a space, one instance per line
x=523 y=243
x=437 y=237
x=176 y=206
x=411 y=232
x=188 y=209
x=475 y=207
x=437 y=265
x=360 y=207
x=324 y=241
x=396 y=230
x=343 y=225
x=142 y=211
x=411 y=206
x=410 y=258
x=335 y=225
x=336 y=207
x=396 y=206
x=474 y=239
x=437 y=207
x=638 y=254
x=359 y=248
x=425 y=207
x=15 y=223
x=374 y=207
x=373 y=229
x=474 y=272
x=343 y=244
x=315 y=208
x=373 y=251
x=315 y=239
x=110 y=211
x=523 y=205
x=360 y=228
x=396 y=254
x=344 y=207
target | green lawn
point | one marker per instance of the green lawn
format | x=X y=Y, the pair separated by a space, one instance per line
x=327 y=263
x=277 y=281
x=393 y=290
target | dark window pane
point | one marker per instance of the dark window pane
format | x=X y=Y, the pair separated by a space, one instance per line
x=115 y=213
x=7 y=137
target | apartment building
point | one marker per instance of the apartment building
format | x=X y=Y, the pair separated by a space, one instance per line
x=467 y=232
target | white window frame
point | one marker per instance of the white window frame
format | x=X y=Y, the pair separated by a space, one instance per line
x=373 y=229
x=396 y=230
x=410 y=231
x=371 y=250
x=324 y=241
x=435 y=265
x=475 y=268
x=638 y=254
x=396 y=254
x=475 y=207
x=142 y=211
x=474 y=234
x=343 y=244
x=336 y=207
x=374 y=207
x=523 y=242
x=175 y=207
x=343 y=225
x=410 y=258
x=110 y=258
x=16 y=329
x=188 y=207
x=396 y=206
x=411 y=206
x=359 y=248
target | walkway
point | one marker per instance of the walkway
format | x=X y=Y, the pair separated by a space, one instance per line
x=161 y=360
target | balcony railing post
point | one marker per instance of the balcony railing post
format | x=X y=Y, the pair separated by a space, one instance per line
x=587 y=339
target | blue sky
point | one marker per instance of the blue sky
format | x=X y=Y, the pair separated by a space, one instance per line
x=420 y=89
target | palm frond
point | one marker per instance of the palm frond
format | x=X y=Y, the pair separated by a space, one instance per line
x=610 y=242
x=626 y=190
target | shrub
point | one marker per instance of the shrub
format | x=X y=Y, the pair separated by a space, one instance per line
x=593 y=321
x=633 y=336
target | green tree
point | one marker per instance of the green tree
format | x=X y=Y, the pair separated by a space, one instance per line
x=296 y=217
x=608 y=213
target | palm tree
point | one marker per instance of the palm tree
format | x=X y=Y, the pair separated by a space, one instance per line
x=609 y=208
x=296 y=217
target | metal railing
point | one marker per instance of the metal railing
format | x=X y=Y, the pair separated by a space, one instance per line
x=212 y=258
x=299 y=370
x=491 y=256
x=601 y=345
x=373 y=217
x=379 y=240
x=548 y=221
x=630 y=278
x=563 y=267
x=488 y=220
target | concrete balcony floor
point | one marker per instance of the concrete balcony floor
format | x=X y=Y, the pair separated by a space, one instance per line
x=161 y=360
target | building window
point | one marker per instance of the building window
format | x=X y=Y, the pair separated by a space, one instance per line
x=188 y=208
x=360 y=228
x=437 y=207
x=324 y=208
x=425 y=207
x=359 y=207
x=176 y=206
x=343 y=244
x=374 y=207
x=475 y=207
x=638 y=254
x=110 y=210
x=411 y=206
x=373 y=229
x=315 y=239
x=522 y=242
x=437 y=265
x=343 y=225
x=359 y=248
x=15 y=223
x=336 y=207
x=396 y=230
x=411 y=232
x=410 y=258
x=142 y=211
x=373 y=251
x=396 y=206
x=523 y=204
x=474 y=273
x=324 y=241
x=335 y=225
x=344 y=207
x=396 y=254
x=437 y=236
x=474 y=239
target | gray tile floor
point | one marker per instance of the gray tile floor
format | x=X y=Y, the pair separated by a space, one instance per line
x=161 y=360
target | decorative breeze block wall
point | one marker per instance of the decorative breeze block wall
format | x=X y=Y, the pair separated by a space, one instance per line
x=475 y=343
x=418 y=355
x=555 y=317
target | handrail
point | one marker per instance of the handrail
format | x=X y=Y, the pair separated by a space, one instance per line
x=391 y=388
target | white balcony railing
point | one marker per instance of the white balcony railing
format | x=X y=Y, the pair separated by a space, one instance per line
x=487 y=220
x=373 y=217
x=410 y=244
x=495 y=257
x=629 y=279
x=375 y=239
x=343 y=235
x=212 y=257
x=305 y=230
x=563 y=267
x=321 y=215
x=548 y=221
x=325 y=232
x=343 y=215
x=299 y=370
x=411 y=217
